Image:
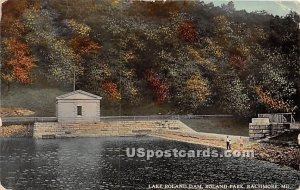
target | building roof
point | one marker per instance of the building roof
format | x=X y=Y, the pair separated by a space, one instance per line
x=78 y=95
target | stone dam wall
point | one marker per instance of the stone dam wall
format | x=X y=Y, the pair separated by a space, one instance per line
x=107 y=128
x=261 y=128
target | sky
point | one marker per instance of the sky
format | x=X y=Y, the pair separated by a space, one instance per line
x=277 y=7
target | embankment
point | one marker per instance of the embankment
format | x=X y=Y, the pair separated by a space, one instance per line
x=219 y=125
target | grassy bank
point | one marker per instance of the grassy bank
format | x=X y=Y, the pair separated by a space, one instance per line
x=219 y=125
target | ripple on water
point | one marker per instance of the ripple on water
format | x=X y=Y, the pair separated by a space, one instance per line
x=101 y=163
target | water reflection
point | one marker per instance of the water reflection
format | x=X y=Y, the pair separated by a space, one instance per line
x=100 y=163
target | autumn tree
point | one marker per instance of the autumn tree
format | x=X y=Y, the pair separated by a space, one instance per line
x=63 y=60
x=270 y=102
x=272 y=83
x=159 y=89
x=81 y=41
x=231 y=95
x=12 y=25
x=187 y=30
x=111 y=89
x=20 y=62
x=197 y=91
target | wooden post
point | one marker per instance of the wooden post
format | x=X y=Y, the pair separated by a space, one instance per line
x=74 y=79
x=1 y=2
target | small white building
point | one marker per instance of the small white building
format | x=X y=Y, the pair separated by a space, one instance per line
x=78 y=106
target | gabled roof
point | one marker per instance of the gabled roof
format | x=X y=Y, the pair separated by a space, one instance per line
x=74 y=95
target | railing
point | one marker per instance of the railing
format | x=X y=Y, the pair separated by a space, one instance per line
x=160 y=117
x=25 y=120
x=279 y=118
x=145 y=117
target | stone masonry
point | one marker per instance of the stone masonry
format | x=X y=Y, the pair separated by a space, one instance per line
x=261 y=128
x=106 y=128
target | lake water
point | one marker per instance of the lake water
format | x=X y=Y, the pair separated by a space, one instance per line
x=101 y=163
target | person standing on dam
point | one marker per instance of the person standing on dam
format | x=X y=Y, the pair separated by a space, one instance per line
x=228 y=143
x=241 y=143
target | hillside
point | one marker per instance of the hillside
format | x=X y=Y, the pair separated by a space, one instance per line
x=148 y=58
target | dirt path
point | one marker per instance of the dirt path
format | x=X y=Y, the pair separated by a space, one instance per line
x=208 y=139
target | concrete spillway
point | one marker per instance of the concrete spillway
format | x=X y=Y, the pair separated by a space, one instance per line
x=107 y=128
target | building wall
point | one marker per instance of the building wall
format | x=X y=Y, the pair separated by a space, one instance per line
x=67 y=110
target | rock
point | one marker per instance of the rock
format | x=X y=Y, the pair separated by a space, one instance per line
x=277 y=154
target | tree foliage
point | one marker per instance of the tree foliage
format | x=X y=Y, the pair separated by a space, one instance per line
x=20 y=62
x=187 y=55
x=160 y=89
x=112 y=90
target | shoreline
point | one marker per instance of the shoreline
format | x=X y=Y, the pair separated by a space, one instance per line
x=16 y=131
x=187 y=141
